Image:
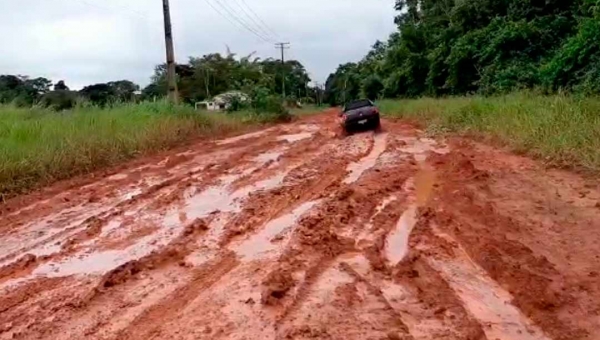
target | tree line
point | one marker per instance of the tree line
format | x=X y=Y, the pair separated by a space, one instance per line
x=213 y=74
x=24 y=91
x=451 y=47
x=200 y=79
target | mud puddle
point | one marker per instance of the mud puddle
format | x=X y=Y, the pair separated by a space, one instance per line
x=236 y=139
x=357 y=169
x=419 y=148
x=260 y=245
x=396 y=247
x=295 y=137
x=486 y=300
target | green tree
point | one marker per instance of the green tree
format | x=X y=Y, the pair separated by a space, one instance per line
x=372 y=87
x=487 y=46
x=213 y=74
x=60 y=86
x=22 y=90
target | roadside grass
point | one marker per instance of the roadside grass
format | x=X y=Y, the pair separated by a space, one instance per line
x=307 y=110
x=562 y=130
x=39 y=146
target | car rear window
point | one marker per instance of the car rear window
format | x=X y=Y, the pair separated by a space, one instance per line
x=357 y=105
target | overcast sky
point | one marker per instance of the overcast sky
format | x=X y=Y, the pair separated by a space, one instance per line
x=92 y=41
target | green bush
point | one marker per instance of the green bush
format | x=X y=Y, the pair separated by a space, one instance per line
x=59 y=100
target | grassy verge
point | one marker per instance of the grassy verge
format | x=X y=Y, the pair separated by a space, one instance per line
x=562 y=130
x=38 y=146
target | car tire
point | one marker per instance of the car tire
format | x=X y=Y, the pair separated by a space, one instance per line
x=377 y=124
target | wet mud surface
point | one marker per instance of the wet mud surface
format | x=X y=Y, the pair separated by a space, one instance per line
x=294 y=232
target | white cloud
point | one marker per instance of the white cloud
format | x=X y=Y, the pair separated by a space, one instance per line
x=90 y=41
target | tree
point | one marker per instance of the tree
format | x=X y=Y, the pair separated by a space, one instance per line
x=22 y=90
x=59 y=100
x=60 y=86
x=487 y=46
x=124 y=90
x=213 y=74
x=112 y=92
x=99 y=94
x=372 y=87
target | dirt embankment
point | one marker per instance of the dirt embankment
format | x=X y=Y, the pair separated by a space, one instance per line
x=296 y=233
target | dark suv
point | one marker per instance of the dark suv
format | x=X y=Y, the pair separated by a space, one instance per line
x=360 y=114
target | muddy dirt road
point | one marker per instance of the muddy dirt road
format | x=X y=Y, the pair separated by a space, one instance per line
x=293 y=233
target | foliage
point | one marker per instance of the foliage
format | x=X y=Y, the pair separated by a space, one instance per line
x=202 y=78
x=60 y=86
x=562 y=130
x=59 y=100
x=112 y=92
x=21 y=90
x=372 y=87
x=449 y=47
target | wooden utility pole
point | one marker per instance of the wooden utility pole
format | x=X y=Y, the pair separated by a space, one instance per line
x=206 y=81
x=171 y=76
x=317 y=93
x=283 y=46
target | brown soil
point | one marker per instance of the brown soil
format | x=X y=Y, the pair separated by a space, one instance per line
x=296 y=232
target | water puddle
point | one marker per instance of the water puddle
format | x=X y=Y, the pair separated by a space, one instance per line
x=295 y=137
x=309 y=127
x=357 y=169
x=420 y=147
x=485 y=299
x=262 y=243
x=369 y=233
x=396 y=246
x=113 y=229
x=242 y=137
x=384 y=204
x=421 y=187
x=102 y=262
x=42 y=233
x=266 y=157
x=118 y=177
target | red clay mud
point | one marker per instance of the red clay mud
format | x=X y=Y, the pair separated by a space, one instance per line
x=294 y=232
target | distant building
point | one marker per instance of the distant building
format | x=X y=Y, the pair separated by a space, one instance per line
x=222 y=101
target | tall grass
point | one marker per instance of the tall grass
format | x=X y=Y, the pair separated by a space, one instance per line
x=563 y=130
x=39 y=146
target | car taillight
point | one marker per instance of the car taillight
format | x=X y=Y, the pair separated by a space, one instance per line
x=376 y=111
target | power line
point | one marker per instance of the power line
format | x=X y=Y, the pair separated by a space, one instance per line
x=233 y=16
x=264 y=24
x=257 y=25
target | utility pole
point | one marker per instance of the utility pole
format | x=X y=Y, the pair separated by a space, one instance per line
x=283 y=46
x=171 y=77
x=206 y=81
x=317 y=94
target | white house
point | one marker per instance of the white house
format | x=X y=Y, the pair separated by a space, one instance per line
x=222 y=101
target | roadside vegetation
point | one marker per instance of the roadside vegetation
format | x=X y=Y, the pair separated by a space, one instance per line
x=487 y=47
x=562 y=130
x=50 y=132
x=39 y=146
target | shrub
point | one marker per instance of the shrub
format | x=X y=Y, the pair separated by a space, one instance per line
x=59 y=100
